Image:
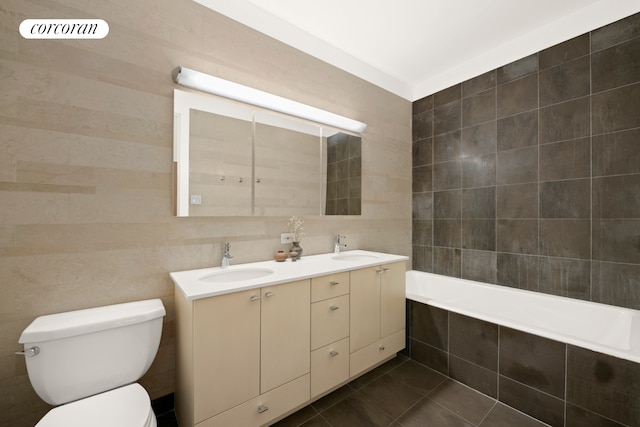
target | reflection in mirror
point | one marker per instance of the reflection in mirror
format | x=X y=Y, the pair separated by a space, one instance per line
x=232 y=159
x=220 y=167
x=344 y=170
x=288 y=166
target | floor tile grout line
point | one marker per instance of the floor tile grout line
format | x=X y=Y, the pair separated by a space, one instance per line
x=423 y=398
x=496 y=400
x=427 y=396
x=451 y=412
x=397 y=420
x=351 y=393
x=495 y=403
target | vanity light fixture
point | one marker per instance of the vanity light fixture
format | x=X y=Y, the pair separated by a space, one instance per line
x=207 y=83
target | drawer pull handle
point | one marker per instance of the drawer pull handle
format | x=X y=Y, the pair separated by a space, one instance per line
x=254 y=297
x=262 y=409
x=269 y=294
x=334 y=308
x=381 y=348
x=384 y=270
x=334 y=354
x=379 y=271
x=334 y=283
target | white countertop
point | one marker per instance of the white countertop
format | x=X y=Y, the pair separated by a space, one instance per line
x=308 y=266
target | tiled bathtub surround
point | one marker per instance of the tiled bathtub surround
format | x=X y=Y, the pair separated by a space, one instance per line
x=559 y=384
x=529 y=175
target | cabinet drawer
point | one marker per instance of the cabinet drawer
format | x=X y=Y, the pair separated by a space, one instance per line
x=329 y=321
x=374 y=353
x=329 y=366
x=264 y=408
x=329 y=286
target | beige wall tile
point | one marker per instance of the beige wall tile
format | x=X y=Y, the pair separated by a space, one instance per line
x=97 y=115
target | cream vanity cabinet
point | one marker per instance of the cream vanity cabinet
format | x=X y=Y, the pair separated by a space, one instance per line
x=249 y=357
x=243 y=357
x=377 y=305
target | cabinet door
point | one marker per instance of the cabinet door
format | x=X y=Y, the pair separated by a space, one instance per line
x=226 y=352
x=365 y=307
x=393 y=296
x=285 y=333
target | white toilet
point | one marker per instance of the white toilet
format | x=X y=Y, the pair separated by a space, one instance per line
x=87 y=361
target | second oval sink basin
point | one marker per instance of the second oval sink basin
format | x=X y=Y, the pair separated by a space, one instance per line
x=223 y=276
x=353 y=257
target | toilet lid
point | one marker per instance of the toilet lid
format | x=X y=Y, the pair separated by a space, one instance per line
x=123 y=407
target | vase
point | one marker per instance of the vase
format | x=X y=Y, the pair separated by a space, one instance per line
x=280 y=256
x=295 y=247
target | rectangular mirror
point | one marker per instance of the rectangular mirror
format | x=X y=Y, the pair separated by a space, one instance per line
x=233 y=159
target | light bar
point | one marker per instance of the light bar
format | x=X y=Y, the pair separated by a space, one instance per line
x=217 y=86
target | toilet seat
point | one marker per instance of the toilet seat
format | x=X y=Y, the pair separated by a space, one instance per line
x=127 y=406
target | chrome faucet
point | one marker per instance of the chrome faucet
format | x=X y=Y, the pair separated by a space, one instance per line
x=339 y=245
x=226 y=255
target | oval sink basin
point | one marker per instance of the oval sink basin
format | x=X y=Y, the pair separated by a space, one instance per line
x=224 y=276
x=354 y=257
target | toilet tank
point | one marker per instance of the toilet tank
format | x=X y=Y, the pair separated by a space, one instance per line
x=85 y=352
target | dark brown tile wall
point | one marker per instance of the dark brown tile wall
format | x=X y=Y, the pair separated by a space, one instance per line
x=529 y=175
x=556 y=383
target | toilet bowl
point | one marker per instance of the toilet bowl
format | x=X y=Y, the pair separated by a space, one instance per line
x=87 y=362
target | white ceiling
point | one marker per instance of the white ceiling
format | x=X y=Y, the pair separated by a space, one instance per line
x=414 y=48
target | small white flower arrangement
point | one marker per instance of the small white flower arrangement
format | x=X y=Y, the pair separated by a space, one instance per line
x=295 y=228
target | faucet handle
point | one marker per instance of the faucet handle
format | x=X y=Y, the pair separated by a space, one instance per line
x=339 y=244
x=226 y=255
x=226 y=247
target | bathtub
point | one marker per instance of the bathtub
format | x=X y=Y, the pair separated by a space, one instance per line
x=602 y=328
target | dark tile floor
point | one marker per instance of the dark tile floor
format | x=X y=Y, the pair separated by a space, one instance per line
x=402 y=393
